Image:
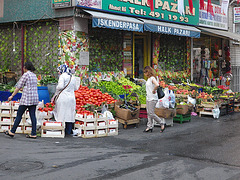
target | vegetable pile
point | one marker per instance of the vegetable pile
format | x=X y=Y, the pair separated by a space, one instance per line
x=85 y=97
x=48 y=79
x=47 y=107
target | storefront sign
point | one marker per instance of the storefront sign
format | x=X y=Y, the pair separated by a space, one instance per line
x=163 y=10
x=116 y=24
x=61 y=3
x=236 y=15
x=218 y=21
x=171 y=30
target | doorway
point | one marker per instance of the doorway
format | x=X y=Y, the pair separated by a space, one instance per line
x=141 y=54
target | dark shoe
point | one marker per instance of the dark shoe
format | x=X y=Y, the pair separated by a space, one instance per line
x=30 y=136
x=148 y=130
x=162 y=128
x=7 y=133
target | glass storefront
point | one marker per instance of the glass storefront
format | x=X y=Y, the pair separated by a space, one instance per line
x=208 y=60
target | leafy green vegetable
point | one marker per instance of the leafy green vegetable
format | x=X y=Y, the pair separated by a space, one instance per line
x=48 y=79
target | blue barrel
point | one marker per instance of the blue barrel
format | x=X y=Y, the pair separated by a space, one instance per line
x=43 y=94
x=5 y=94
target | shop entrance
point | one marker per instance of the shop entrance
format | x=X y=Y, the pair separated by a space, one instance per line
x=141 y=54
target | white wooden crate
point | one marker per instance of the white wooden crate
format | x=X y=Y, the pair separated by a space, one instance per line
x=52 y=129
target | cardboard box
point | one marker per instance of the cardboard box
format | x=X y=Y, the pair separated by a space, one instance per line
x=119 y=102
x=184 y=109
x=165 y=112
x=126 y=114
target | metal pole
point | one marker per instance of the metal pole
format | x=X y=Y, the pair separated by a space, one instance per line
x=191 y=59
x=22 y=47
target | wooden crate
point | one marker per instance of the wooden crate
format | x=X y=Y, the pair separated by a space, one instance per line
x=89 y=133
x=102 y=122
x=4 y=127
x=209 y=105
x=125 y=123
x=98 y=126
x=20 y=129
x=6 y=121
x=101 y=132
x=112 y=124
x=57 y=131
x=112 y=131
x=27 y=129
x=206 y=111
x=55 y=134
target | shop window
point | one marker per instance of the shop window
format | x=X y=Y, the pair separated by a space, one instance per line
x=173 y=53
x=105 y=49
x=207 y=60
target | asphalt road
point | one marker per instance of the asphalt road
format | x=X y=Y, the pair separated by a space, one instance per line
x=203 y=149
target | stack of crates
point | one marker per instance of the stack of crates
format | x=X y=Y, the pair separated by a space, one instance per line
x=8 y=113
x=97 y=126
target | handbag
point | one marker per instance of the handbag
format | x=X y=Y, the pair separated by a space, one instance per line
x=55 y=97
x=160 y=92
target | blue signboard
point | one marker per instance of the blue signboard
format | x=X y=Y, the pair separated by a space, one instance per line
x=117 y=24
x=171 y=30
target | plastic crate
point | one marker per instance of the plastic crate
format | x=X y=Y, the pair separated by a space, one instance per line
x=182 y=118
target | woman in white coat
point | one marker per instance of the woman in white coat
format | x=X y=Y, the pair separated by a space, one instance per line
x=65 y=105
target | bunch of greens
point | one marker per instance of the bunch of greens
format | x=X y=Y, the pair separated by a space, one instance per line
x=48 y=79
x=141 y=92
x=6 y=87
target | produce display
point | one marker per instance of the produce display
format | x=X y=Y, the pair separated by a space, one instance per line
x=92 y=96
x=129 y=106
x=6 y=87
x=112 y=87
x=47 y=79
x=125 y=81
x=47 y=107
x=85 y=97
x=141 y=92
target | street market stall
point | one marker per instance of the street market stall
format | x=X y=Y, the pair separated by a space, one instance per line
x=105 y=100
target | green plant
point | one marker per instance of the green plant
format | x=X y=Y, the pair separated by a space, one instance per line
x=105 y=50
x=48 y=79
x=173 y=53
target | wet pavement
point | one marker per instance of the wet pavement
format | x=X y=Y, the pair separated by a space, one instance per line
x=203 y=149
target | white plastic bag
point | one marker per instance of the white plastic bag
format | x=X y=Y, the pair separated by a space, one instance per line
x=165 y=99
x=108 y=114
x=171 y=99
x=159 y=104
x=77 y=132
x=216 y=112
x=104 y=108
x=191 y=100
x=40 y=115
